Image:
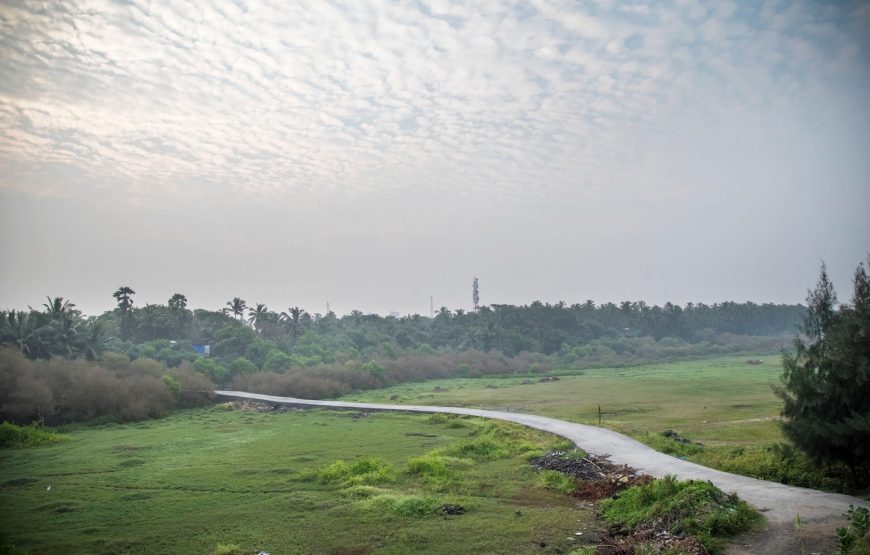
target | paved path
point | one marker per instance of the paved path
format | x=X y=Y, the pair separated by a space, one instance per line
x=779 y=503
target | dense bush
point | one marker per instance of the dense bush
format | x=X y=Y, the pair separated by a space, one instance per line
x=59 y=390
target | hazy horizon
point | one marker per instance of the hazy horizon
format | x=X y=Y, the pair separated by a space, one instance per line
x=371 y=154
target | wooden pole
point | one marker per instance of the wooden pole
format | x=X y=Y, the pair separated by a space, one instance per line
x=599 y=415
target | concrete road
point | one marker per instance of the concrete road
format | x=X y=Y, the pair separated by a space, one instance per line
x=778 y=502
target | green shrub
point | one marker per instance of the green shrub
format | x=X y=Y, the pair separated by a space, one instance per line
x=367 y=470
x=13 y=436
x=853 y=540
x=693 y=507
x=172 y=384
x=429 y=465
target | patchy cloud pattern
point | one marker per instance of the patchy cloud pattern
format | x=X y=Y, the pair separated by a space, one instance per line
x=305 y=99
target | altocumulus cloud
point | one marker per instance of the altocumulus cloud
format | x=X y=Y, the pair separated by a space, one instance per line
x=305 y=99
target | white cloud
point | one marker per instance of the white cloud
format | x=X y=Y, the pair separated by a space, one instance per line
x=304 y=99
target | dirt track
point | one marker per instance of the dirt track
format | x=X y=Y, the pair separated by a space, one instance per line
x=778 y=502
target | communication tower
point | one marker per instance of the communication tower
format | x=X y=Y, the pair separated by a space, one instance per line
x=475 y=294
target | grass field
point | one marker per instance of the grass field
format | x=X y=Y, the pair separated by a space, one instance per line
x=270 y=481
x=719 y=401
x=724 y=403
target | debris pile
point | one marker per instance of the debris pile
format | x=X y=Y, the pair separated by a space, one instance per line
x=249 y=405
x=448 y=509
x=620 y=541
x=671 y=434
x=595 y=477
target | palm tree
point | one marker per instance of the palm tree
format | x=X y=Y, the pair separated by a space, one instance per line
x=257 y=316
x=293 y=316
x=237 y=306
x=92 y=339
x=124 y=296
x=57 y=307
x=19 y=329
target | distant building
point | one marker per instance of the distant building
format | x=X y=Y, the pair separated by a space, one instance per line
x=202 y=347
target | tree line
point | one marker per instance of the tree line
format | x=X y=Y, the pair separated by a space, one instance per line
x=295 y=352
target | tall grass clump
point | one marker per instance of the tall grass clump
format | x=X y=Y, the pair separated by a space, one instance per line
x=366 y=470
x=691 y=508
x=13 y=436
x=556 y=481
x=430 y=466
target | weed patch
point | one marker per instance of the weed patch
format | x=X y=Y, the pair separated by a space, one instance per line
x=671 y=443
x=854 y=540
x=13 y=436
x=228 y=549
x=366 y=470
x=690 y=508
x=778 y=463
x=429 y=466
x=556 y=481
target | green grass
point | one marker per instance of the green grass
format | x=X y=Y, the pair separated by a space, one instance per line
x=217 y=481
x=716 y=401
x=723 y=403
x=692 y=507
x=15 y=437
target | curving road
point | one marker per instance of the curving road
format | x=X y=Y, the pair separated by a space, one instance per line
x=779 y=503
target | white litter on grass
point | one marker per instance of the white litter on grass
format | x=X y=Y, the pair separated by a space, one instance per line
x=578 y=533
x=48 y=488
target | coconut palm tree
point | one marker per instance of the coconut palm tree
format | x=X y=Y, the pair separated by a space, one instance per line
x=92 y=339
x=293 y=317
x=237 y=306
x=257 y=316
x=19 y=329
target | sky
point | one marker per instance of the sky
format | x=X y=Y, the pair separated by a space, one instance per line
x=373 y=154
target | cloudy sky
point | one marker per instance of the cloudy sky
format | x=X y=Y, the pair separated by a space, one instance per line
x=374 y=153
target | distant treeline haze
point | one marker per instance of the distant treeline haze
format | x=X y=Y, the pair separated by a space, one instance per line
x=312 y=355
